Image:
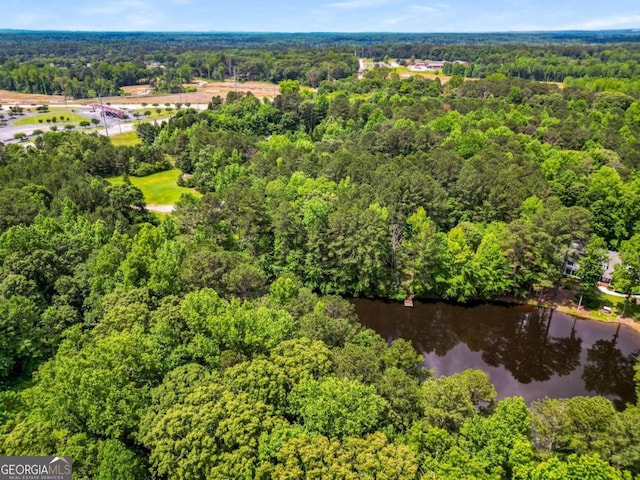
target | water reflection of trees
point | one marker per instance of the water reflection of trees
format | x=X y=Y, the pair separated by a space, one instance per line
x=439 y=336
x=431 y=332
x=517 y=338
x=523 y=345
x=609 y=372
x=528 y=351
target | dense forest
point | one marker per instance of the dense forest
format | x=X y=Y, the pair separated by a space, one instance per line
x=83 y=65
x=219 y=342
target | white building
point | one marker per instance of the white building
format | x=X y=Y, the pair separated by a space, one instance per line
x=572 y=266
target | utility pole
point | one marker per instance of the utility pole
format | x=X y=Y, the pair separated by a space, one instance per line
x=235 y=79
x=104 y=117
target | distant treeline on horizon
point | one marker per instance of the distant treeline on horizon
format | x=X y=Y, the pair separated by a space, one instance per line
x=238 y=39
x=85 y=64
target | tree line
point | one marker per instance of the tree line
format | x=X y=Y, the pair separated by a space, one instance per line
x=75 y=65
x=458 y=192
x=216 y=342
x=85 y=74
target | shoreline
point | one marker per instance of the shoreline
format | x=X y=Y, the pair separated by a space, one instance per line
x=585 y=314
x=568 y=307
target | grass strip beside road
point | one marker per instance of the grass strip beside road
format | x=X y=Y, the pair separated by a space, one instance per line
x=41 y=119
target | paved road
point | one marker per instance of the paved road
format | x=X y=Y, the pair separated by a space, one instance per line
x=615 y=294
x=114 y=125
x=7 y=134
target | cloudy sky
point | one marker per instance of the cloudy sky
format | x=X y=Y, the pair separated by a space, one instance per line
x=320 y=15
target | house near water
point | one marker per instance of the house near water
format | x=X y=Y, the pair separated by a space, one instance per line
x=572 y=265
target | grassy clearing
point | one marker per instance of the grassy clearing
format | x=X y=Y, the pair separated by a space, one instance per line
x=566 y=300
x=154 y=114
x=160 y=188
x=617 y=304
x=41 y=119
x=594 y=309
x=129 y=139
x=427 y=74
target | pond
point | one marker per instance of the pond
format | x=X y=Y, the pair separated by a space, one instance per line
x=527 y=351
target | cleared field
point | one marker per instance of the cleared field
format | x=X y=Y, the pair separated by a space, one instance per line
x=404 y=72
x=205 y=90
x=160 y=188
x=140 y=94
x=7 y=97
x=69 y=117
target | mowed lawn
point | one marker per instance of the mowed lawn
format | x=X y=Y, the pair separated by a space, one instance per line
x=160 y=188
x=69 y=117
x=163 y=114
x=129 y=139
x=617 y=305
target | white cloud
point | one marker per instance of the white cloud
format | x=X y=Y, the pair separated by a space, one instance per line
x=116 y=7
x=325 y=15
x=124 y=15
x=359 y=3
x=439 y=8
x=421 y=9
x=414 y=17
x=27 y=20
x=607 y=23
x=613 y=22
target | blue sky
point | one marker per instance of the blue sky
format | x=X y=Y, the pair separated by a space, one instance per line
x=320 y=15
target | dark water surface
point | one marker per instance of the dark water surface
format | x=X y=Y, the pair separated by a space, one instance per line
x=527 y=351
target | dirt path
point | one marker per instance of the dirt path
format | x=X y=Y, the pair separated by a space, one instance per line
x=9 y=98
x=160 y=208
